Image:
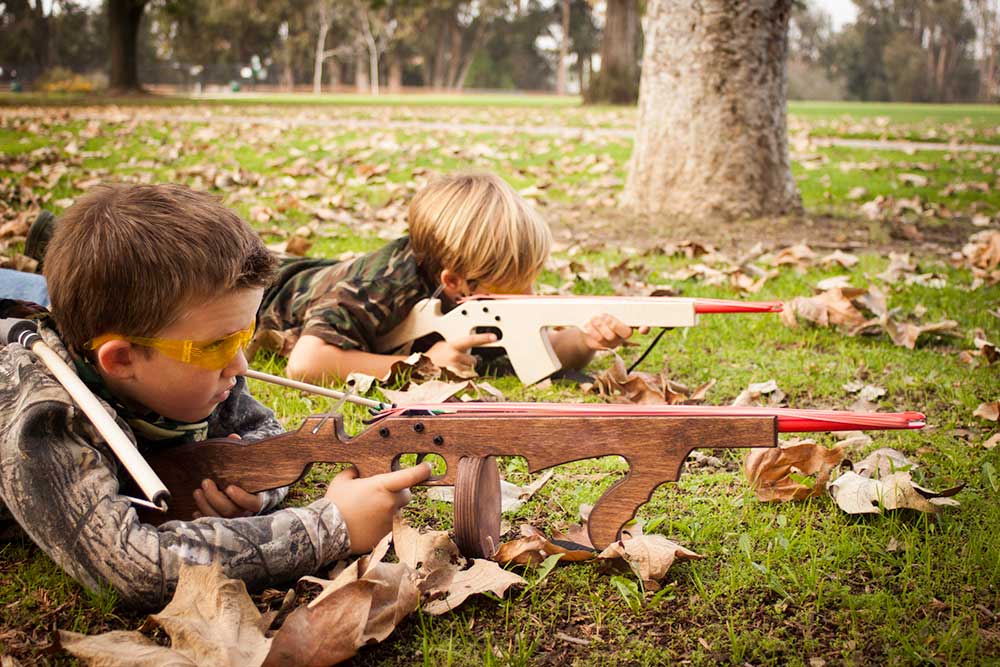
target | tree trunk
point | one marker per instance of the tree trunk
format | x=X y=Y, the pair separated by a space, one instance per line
x=124 y=17
x=324 y=28
x=361 y=82
x=372 y=47
x=395 y=81
x=454 y=56
x=712 y=139
x=563 y=51
x=617 y=82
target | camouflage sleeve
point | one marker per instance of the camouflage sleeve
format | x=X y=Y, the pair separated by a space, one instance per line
x=59 y=481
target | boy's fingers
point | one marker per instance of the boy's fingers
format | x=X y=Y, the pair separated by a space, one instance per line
x=644 y=330
x=405 y=478
x=204 y=509
x=620 y=328
x=218 y=500
x=245 y=499
x=462 y=344
x=401 y=498
x=348 y=473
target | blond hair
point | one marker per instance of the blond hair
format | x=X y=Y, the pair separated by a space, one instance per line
x=477 y=226
x=129 y=259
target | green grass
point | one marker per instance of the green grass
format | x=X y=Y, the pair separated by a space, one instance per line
x=779 y=583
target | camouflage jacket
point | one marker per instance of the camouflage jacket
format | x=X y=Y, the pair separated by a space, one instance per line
x=60 y=481
x=347 y=304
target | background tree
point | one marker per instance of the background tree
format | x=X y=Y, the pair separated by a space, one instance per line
x=712 y=139
x=124 y=17
x=617 y=82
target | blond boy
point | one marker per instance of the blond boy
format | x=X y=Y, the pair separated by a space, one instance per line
x=468 y=233
x=134 y=272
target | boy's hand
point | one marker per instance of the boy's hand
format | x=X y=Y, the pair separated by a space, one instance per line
x=368 y=504
x=455 y=354
x=233 y=502
x=606 y=332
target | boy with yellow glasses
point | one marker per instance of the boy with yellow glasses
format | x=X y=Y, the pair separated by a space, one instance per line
x=154 y=292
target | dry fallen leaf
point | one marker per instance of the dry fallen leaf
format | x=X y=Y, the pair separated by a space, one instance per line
x=771 y=470
x=983 y=249
x=364 y=604
x=211 y=620
x=484 y=575
x=534 y=547
x=645 y=388
x=757 y=390
x=649 y=556
x=856 y=494
x=989 y=411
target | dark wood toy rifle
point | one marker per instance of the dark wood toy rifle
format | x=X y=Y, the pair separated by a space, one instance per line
x=654 y=440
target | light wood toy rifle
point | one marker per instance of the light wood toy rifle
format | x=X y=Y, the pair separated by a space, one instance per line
x=520 y=321
x=654 y=440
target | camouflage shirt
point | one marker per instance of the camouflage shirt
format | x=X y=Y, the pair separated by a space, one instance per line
x=347 y=304
x=61 y=482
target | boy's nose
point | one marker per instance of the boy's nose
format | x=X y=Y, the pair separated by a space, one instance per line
x=238 y=366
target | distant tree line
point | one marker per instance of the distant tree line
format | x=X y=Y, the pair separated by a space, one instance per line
x=898 y=50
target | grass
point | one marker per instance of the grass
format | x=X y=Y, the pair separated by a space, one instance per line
x=779 y=583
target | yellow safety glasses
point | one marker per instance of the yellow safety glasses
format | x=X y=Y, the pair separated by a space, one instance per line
x=213 y=355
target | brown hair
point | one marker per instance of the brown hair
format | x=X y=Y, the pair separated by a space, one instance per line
x=128 y=259
x=476 y=225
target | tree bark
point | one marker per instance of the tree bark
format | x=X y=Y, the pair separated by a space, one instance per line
x=563 y=50
x=324 y=28
x=712 y=139
x=617 y=82
x=361 y=82
x=395 y=77
x=124 y=17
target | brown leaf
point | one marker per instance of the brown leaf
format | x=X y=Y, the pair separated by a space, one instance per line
x=297 y=245
x=770 y=470
x=757 y=390
x=882 y=462
x=120 y=648
x=364 y=604
x=649 y=556
x=211 y=621
x=432 y=391
x=425 y=552
x=989 y=411
x=484 y=575
x=533 y=547
x=863 y=495
x=645 y=388
x=832 y=307
x=983 y=249
x=906 y=334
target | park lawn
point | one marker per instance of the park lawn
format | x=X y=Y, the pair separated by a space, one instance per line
x=780 y=583
x=937 y=123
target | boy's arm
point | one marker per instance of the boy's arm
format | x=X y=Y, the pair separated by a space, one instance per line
x=314 y=360
x=62 y=488
x=575 y=347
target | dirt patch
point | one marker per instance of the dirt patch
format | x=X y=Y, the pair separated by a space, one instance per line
x=613 y=227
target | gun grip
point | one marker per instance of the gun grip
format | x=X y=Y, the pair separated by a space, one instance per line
x=619 y=504
x=531 y=356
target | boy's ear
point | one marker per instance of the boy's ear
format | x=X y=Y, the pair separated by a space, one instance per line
x=116 y=358
x=454 y=285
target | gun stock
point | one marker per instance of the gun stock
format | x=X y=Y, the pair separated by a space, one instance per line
x=655 y=448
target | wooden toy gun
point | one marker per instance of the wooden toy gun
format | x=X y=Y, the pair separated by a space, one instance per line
x=654 y=440
x=519 y=321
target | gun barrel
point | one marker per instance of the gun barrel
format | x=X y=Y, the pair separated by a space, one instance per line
x=789 y=420
x=729 y=306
